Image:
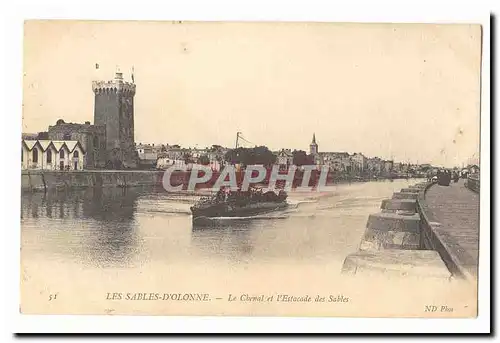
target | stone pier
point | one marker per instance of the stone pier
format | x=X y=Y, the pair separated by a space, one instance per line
x=405 y=195
x=425 y=230
x=400 y=205
x=393 y=243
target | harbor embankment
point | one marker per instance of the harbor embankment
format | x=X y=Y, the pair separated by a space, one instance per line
x=393 y=242
x=49 y=180
x=41 y=181
x=425 y=230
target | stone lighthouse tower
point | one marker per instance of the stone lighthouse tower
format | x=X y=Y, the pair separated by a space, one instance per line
x=114 y=109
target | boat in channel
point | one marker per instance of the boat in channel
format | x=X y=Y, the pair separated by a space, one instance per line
x=227 y=204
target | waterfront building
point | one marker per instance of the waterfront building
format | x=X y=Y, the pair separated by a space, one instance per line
x=174 y=155
x=330 y=160
x=52 y=155
x=91 y=137
x=336 y=161
x=284 y=158
x=147 y=156
x=388 y=166
x=359 y=162
x=175 y=152
x=197 y=153
x=164 y=162
x=375 y=165
x=146 y=152
x=403 y=167
x=216 y=155
x=345 y=162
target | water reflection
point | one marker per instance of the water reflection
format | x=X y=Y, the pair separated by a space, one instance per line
x=92 y=226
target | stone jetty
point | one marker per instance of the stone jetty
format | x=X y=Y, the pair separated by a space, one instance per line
x=393 y=243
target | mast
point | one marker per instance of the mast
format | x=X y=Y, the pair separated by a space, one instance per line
x=237 y=137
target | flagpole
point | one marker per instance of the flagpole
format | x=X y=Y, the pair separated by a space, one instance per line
x=97 y=72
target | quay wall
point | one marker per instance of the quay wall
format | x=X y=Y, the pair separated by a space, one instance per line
x=473 y=183
x=400 y=240
x=48 y=180
x=406 y=239
x=41 y=181
x=432 y=237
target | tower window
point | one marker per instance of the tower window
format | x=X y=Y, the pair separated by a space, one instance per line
x=49 y=156
x=75 y=154
x=61 y=154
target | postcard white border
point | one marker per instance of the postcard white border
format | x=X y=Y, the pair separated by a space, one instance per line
x=349 y=11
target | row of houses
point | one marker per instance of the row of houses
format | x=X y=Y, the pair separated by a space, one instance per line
x=340 y=162
x=71 y=155
x=164 y=156
x=52 y=155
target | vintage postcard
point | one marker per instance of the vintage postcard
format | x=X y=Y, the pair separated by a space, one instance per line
x=284 y=169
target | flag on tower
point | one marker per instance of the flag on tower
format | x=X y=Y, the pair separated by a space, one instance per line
x=97 y=65
x=133 y=81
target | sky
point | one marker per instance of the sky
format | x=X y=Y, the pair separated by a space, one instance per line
x=410 y=92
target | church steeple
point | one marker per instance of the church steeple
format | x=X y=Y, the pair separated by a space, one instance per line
x=313 y=147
